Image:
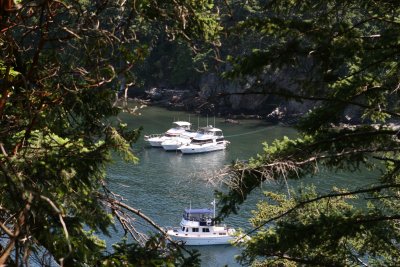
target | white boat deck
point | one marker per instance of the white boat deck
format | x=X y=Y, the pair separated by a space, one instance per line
x=198 y=228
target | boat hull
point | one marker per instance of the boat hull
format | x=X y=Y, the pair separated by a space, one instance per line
x=181 y=127
x=155 y=143
x=170 y=147
x=194 y=149
x=201 y=240
x=174 y=143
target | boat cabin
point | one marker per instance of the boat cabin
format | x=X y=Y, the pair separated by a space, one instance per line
x=210 y=131
x=182 y=124
x=203 y=216
x=206 y=141
x=208 y=135
x=179 y=128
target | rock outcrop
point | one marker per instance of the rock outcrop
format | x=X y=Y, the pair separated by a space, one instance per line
x=229 y=99
x=248 y=98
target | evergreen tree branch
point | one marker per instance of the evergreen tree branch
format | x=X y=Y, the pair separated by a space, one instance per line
x=301 y=204
x=309 y=262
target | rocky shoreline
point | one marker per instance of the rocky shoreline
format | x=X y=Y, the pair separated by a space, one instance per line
x=193 y=101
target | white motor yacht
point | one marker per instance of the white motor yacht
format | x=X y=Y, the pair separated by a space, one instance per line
x=179 y=127
x=174 y=143
x=207 y=139
x=198 y=228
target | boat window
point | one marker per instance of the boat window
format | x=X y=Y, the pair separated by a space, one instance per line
x=183 y=229
x=222 y=233
x=199 y=142
x=187 y=229
x=206 y=230
x=195 y=229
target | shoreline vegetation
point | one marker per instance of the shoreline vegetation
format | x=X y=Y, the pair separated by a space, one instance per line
x=190 y=101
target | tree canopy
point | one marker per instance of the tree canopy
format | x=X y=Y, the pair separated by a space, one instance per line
x=60 y=67
x=62 y=62
x=344 y=56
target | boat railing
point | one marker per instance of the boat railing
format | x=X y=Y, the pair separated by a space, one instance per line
x=190 y=218
x=172 y=228
x=202 y=142
x=201 y=221
x=206 y=223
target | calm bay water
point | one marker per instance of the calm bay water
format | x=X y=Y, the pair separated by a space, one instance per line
x=163 y=183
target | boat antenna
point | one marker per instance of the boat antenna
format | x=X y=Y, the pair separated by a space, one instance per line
x=214 y=207
x=207 y=120
x=198 y=122
x=190 y=208
x=214 y=121
x=189 y=118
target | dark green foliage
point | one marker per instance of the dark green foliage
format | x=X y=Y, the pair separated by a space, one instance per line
x=61 y=64
x=343 y=55
x=315 y=227
x=152 y=254
x=170 y=65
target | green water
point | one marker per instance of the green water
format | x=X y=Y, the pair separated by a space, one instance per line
x=163 y=183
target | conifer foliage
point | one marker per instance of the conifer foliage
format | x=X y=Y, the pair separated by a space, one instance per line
x=344 y=56
x=60 y=63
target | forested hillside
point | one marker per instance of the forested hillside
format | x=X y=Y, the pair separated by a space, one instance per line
x=199 y=69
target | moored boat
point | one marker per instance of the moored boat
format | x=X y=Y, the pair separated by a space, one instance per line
x=179 y=127
x=207 y=139
x=173 y=144
x=198 y=228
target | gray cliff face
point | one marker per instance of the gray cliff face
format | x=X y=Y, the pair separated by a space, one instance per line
x=230 y=95
x=264 y=95
x=230 y=99
x=250 y=97
x=253 y=97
